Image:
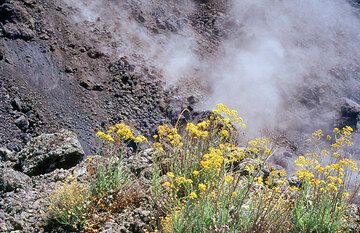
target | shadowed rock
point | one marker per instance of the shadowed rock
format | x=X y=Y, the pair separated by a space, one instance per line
x=11 y=180
x=349 y=111
x=48 y=152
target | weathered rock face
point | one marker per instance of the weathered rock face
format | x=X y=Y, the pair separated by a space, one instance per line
x=47 y=152
x=11 y=180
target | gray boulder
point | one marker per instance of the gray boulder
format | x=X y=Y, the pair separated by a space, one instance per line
x=48 y=152
x=349 y=113
x=6 y=154
x=11 y=180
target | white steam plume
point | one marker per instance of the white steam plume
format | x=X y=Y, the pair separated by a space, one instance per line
x=279 y=47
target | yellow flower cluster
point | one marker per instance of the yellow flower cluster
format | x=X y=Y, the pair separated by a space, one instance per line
x=318 y=134
x=193 y=195
x=231 y=115
x=202 y=187
x=140 y=139
x=69 y=202
x=302 y=161
x=199 y=130
x=120 y=132
x=304 y=174
x=105 y=136
x=258 y=145
x=330 y=177
x=123 y=131
x=212 y=160
x=158 y=147
x=343 y=137
x=236 y=155
x=182 y=180
x=171 y=134
x=228 y=178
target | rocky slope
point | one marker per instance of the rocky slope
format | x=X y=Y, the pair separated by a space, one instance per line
x=60 y=71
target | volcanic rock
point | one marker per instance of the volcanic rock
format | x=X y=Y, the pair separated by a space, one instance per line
x=11 y=180
x=47 y=152
x=22 y=122
x=6 y=154
x=349 y=112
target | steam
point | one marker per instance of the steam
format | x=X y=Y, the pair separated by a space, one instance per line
x=281 y=47
x=282 y=64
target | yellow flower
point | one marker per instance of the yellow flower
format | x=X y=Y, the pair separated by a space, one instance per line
x=158 y=147
x=250 y=168
x=140 y=139
x=336 y=154
x=196 y=131
x=277 y=190
x=171 y=134
x=268 y=151
x=229 y=115
x=193 y=195
x=234 y=194
x=332 y=187
x=319 y=168
x=183 y=180
x=304 y=174
x=301 y=161
x=213 y=160
x=105 y=136
x=124 y=132
x=196 y=173
x=259 y=180
x=167 y=184
x=224 y=133
x=170 y=175
x=202 y=187
x=317 y=134
x=228 y=179
x=324 y=152
x=294 y=188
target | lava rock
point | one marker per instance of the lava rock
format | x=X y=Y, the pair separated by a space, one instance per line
x=18 y=31
x=22 y=123
x=6 y=154
x=94 y=54
x=48 y=152
x=69 y=69
x=11 y=180
x=350 y=108
x=349 y=112
x=17 y=104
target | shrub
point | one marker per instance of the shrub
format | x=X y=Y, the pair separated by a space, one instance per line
x=110 y=179
x=69 y=204
x=326 y=177
x=206 y=178
x=214 y=184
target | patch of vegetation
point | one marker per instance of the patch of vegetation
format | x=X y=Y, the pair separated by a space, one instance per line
x=110 y=179
x=70 y=204
x=205 y=180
